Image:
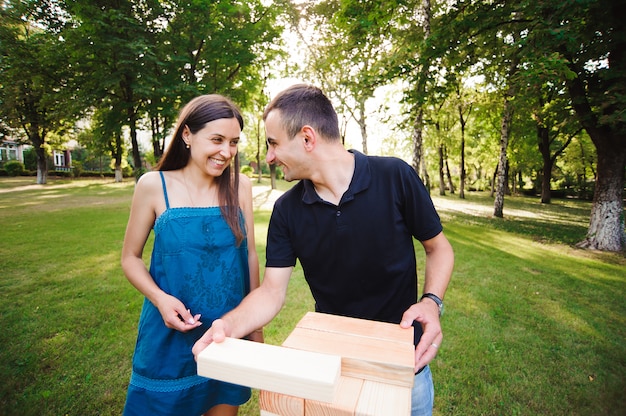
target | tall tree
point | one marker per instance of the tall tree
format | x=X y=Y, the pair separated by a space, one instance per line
x=112 y=51
x=556 y=128
x=33 y=75
x=591 y=37
x=464 y=106
x=347 y=52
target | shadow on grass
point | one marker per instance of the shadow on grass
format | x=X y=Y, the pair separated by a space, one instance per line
x=563 y=221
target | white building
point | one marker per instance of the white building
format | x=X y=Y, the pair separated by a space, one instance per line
x=10 y=150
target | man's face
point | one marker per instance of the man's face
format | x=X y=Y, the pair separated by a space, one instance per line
x=282 y=150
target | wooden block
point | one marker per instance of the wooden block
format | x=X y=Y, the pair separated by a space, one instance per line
x=301 y=373
x=283 y=405
x=368 y=358
x=354 y=326
x=345 y=402
x=381 y=399
x=264 y=413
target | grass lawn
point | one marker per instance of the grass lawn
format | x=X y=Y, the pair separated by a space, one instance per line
x=533 y=326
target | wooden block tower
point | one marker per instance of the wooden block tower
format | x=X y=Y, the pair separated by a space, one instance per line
x=377 y=362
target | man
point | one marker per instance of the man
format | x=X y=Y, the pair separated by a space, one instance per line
x=350 y=221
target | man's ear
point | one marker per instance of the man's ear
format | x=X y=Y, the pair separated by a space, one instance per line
x=309 y=137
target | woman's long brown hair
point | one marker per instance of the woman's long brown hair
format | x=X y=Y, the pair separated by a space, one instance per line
x=195 y=115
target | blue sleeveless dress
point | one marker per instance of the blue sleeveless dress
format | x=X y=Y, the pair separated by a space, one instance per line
x=194 y=258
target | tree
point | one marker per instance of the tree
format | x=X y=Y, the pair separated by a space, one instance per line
x=33 y=76
x=149 y=57
x=591 y=39
x=556 y=129
x=348 y=52
x=464 y=107
x=582 y=44
x=113 y=44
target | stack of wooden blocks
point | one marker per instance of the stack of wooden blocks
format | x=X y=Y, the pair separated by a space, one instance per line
x=377 y=362
x=328 y=366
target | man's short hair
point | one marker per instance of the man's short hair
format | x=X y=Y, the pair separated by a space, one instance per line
x=303 y=104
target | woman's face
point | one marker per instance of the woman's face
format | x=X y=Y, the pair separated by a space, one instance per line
x=214 y=146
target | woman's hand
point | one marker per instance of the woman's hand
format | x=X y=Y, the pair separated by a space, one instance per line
x=175 y=315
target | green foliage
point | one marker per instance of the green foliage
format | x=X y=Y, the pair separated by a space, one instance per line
x=247 y=170
x=33 y=72
x=77 y=169
x=14 y=168
x=30 y=159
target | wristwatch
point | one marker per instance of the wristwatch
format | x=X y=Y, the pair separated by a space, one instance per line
x=435 y=299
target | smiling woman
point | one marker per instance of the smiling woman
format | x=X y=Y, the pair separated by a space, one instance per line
x=203 y=260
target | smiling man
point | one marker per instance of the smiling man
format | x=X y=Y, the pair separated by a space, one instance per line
x=350 y=221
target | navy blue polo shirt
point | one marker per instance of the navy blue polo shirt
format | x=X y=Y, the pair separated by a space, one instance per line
x=358 y=257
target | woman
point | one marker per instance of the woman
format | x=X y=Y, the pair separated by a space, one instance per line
x=203 y=263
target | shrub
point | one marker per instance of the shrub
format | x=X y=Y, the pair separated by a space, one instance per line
x=77 y=169
x=14 y=168
x=247 y=170
x=127 y=171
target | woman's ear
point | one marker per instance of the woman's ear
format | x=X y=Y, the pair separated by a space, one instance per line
x=185 y=135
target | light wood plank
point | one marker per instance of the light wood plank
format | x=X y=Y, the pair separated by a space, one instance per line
x=345 y=402
x=367 y=358
x=381 y=399
x=301 y=373
x=354 y=326
x=284 y=405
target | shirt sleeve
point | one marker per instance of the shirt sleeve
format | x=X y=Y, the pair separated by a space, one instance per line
x=279 y=251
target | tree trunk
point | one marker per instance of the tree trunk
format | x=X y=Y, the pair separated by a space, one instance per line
x=135 y=144
x=157 y=136
x=363 y=126
x=258 y=150
x=273 y=175
x=418 y=126
x=117 y=152
x=462 y=167
x=442 y=183
x=501 y=182
x=448 y=175
x=42 y=166
x=119 y=176
x=462 y=122
x=543 y=137
x=606 y=226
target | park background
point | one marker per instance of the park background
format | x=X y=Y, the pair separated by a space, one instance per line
x=533 y=325
x=511 y=112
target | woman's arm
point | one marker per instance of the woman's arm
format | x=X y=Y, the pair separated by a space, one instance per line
x=141 y=220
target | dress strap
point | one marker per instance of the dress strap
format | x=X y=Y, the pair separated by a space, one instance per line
x=167 y=202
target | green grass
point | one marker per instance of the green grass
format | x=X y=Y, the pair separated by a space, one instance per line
x=532 y=325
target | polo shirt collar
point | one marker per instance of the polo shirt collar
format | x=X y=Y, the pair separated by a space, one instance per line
x=360 y=181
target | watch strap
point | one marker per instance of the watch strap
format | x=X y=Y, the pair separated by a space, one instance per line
x=435 y=299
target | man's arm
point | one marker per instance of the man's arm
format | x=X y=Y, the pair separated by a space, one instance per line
x=254 y=311
x=439 y=265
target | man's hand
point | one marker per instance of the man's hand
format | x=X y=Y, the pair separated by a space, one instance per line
x=426 y=313
x=217 y=333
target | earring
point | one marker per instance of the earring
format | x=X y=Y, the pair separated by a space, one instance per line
x=187 y=145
